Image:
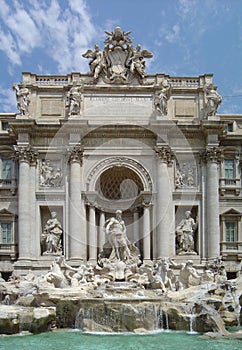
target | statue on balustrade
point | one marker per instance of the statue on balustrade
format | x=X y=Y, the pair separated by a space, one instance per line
x=97 y=63
x=74 y=99
x=213 y=100
x=51 y=237
x=23 y=99
x=161 y=98
x=185 y=235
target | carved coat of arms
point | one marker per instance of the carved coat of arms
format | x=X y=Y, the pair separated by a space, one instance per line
x=119 y=62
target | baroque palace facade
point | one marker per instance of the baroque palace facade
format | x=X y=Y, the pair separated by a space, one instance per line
x=152 y=146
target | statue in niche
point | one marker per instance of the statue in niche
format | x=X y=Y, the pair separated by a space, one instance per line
x=51 y=237
x=116 y=231
x=213 y=100
x=23 y=99
x=97 y=62
x=185 y=235
x=49 y=177
x=74 y=99
x=161 y=98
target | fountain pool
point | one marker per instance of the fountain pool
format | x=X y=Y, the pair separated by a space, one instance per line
x=76 y=340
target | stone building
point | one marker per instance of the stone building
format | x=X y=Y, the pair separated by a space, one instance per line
x=154 y=146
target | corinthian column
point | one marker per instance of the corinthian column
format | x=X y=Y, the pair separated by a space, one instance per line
x=77 y=214
x=165 y=235
x=212 y=157
x=24 y=155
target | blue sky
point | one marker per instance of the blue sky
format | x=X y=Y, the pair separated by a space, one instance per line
x=187 y=38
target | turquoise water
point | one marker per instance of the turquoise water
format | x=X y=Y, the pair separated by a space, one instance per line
x=75 y=340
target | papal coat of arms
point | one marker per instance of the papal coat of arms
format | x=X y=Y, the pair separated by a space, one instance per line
x=119 y=62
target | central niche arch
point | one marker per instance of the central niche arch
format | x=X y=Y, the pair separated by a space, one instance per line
x=135 y=171
x=119 y=182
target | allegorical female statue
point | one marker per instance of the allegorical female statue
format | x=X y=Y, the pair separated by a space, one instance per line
x=51 y=237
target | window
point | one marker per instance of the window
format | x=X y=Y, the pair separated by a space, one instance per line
x=6 y=172
x=231 y=231
x=6 y=233
x=230 y=127
x=229 y=169
x=5 y=126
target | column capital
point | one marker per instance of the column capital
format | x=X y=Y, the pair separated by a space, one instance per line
x=165 y=154
x=26 y=154
x=75 y=153
x=90 y=199
x=146 y=204
x=212 y=155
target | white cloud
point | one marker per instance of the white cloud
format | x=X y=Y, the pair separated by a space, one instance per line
x=173 y=35
x=7 y=100
x=64 y=33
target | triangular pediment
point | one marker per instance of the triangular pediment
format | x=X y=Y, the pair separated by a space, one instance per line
x=5 y=212
x=232 y=211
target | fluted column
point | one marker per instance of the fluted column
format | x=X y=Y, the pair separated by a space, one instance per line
x=212 y=157
x=165 y=235
x=24 y=155
x=92 y=234
x=146 y=231
x=77 y=216
x=101 y=230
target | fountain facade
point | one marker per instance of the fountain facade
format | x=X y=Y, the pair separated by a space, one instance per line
x=120 y=185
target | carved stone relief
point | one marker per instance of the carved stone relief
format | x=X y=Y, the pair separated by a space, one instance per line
x=50 y=174
x=186 y=175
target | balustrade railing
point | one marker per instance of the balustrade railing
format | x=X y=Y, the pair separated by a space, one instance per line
x=49 y=81
x=184 y=82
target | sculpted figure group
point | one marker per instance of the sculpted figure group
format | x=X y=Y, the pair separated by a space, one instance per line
x=119 y=61
x=120 y=261
x=49 y=175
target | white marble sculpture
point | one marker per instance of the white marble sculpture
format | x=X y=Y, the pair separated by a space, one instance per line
x=74 y=99
x=51 y=237
x=119 y=62
x=23 y=99
x=185 y=235
x=187 y=271
x=213 y=100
